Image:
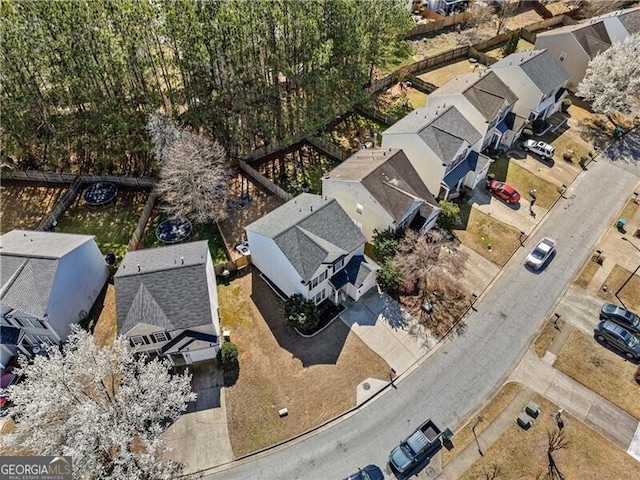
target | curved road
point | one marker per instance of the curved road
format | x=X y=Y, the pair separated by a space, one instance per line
x=461 y=375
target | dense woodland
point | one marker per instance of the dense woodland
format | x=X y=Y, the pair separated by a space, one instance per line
x=80 y=77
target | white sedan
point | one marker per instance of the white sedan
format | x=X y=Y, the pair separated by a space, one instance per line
x=541 y=253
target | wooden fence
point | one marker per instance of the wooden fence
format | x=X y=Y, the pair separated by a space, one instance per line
x=421 y=85
x=540 y=9
x=376 y=115
x=61 y=206
x=264 y=181
x=493 y=41
x=482 y=57
x=39 y=177
x=328 y=148
x=430 y=27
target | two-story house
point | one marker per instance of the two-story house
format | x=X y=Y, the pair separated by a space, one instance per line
x=380 y=189
x=48 y=281
x=310 y=246
x=486 y=102
x=442 y=145
x=167 y=302
x=538 y=79
x=576 y=45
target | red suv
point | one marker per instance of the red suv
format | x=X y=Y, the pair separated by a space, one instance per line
x=504 y=191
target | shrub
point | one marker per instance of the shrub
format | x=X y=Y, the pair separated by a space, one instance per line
x=301 y=313
x=527 y=133
x=539 y=125
x=389 y=277
x=385 y=243
x=512 y=45
x=566 y=103
x=449 y=215
x=228 y=355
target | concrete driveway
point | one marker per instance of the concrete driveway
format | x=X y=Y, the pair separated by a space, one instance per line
x=517 y=215
x=199 y=439
x=387 y=330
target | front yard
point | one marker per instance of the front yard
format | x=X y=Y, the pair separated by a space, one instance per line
x=315 y=378
x=524 y=181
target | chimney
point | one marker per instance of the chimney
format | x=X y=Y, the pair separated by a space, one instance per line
x=182 y=260
x=138 y=267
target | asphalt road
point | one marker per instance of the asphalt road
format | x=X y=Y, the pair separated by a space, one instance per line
x=462 y=374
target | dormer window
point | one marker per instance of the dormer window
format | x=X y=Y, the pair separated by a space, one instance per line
x=160 y=337
x=338 y=264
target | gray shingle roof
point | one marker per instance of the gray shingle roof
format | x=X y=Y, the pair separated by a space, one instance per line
x=388 y=175
x=631 y=20
x=307 y=228
x=355 y=272
x=545 y=71
x=40 y=244
x=28 y=266
x=593 y=38
x=170 y=290
x=484 y=90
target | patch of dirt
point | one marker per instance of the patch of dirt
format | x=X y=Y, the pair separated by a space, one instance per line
x=25 y=206
x=314 y=378
x=107 y=325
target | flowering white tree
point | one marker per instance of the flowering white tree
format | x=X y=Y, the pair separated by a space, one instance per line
x=100 y=405
x=194 y=176
x=612 y=81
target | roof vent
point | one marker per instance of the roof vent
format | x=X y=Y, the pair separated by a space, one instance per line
x=182 y=260
x=138 y=267
x=312 y=208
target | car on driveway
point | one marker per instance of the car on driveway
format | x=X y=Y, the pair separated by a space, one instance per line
x=503 y=191
x=541 y=148
x=618 y=337
x=370 y=472
x=541 y=253
x=621 y=316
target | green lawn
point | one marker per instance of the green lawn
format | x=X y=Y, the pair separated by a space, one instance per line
x=200 y=232
x=524 y=181
x=112 y=225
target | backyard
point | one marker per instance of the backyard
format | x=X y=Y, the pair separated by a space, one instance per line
x=24 y=206
x=314 y=378
x=112 y=225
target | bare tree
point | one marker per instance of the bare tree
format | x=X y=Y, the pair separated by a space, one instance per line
x=479 y=17
x=594 y=8
x=194 y=179
x=507 y=9
x=556 y=441
x=164 y=131
x=492 y=472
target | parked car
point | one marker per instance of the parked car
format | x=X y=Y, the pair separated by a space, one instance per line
x=541 y=253
x=541 y=148
x=370 y=472
x=621 y=316
x=422 y=444
x=6 y=380
x=619 y=338
x=503 y=191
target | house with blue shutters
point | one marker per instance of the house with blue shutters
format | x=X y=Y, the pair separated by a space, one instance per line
x=167 y=302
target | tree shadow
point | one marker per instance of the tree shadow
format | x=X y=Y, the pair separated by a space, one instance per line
x=324 y=348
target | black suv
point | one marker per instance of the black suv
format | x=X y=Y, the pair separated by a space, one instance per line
x=618 y=337
x=621 y=316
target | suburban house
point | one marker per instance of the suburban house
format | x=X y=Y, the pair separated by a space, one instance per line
x=48 y=281
x=379 y=189
x=310 y=246
x=538 y=79
x=442 y=145
x=576 y=45
x=487 y=103
x=167 y=302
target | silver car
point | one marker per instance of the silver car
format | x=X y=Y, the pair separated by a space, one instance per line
x=541 y=148
x=541 y=253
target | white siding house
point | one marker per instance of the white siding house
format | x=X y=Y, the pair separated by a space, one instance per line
x=167 y=302
x=49 y=281
x=486 y=102
x=379 y=189
x=537 y=78
x=438 y=141
x=310 y=246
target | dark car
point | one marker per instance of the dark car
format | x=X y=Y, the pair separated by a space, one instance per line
x=618 y=337
x=621 y=316
x=370 y=472
x=503 y=191
x=7 y=380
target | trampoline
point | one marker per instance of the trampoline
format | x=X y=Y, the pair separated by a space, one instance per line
x=174 y=231
x=100 y=194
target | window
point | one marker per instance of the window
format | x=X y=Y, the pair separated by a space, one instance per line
x=160 y=337
x=319 y=297
x=359 y=208
x=138 y=340
x=317 y=280
x=338 y=264
x=563 y=55
x=29 y=322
